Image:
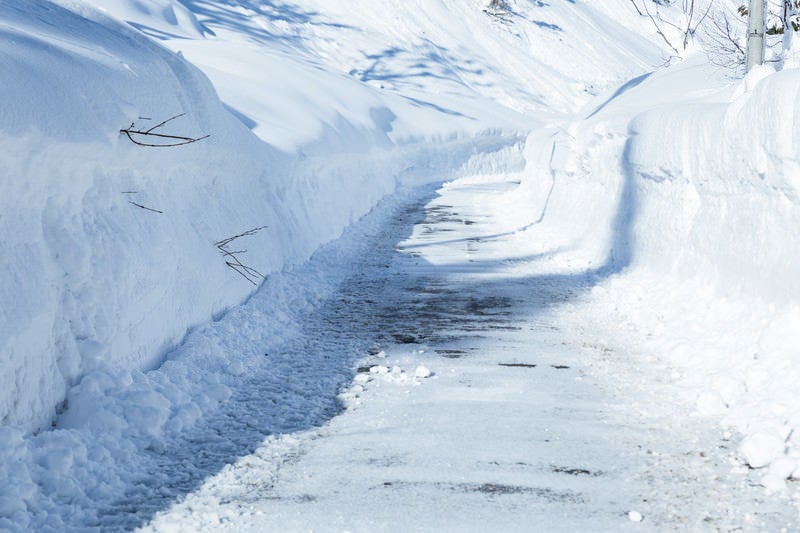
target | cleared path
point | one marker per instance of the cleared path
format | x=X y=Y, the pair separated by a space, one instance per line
x=475 y=407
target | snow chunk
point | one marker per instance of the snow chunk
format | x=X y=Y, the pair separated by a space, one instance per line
x=762 y=448
x=783 y=467
x=236 y=368
x=710 y=403
x=773 y=483
x=379 y=369
x=422 y=372
x=361 y=379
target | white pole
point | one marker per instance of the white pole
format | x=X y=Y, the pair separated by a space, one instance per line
x=755 y=33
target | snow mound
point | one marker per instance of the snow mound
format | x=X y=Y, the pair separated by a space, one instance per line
x=693 y=247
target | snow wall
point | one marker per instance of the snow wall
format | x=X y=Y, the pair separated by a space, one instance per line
x=717 y=215
x=686 y=211
x=110 y=251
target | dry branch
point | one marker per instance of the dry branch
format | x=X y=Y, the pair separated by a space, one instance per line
x=134 y=135
x=498 y=9
x=232 y=256
x=145 y=207
x=140 y=205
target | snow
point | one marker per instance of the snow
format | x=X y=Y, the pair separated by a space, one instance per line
x=672 y=191
x=515 y=429
x=713 y=254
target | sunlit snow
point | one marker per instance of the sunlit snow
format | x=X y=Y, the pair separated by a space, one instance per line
x=414 y=266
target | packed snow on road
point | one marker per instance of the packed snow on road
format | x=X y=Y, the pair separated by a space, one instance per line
x=380 y=266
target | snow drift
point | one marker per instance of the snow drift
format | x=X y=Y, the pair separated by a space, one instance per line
x=693 y=244
x=84 y=269
x=110 y=246
x=717 y=251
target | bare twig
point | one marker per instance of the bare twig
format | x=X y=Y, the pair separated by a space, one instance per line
x=145 y=207
x=499 y=9
x=655 y=24
x=694 y=16
x=171 y=140
x=725 y=40
x=140 y=205
x=637 y=8
x=232 y=256
x=170 y=119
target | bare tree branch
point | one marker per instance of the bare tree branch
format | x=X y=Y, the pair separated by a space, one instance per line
x=687 y=28
x=655 y=24
x=233 y=261
x=172 y=140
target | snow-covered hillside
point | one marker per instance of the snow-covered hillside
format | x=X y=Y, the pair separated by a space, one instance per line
x=677 y=188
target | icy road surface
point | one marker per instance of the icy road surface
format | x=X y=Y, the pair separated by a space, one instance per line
x=478 y=404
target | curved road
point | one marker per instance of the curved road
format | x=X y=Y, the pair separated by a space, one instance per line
x=476 y=405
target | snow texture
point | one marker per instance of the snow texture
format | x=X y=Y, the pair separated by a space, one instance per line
x=673 y=190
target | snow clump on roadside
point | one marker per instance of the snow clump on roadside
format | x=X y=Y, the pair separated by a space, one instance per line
x=379 y=373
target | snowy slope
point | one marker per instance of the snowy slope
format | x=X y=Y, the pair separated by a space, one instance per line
x=110 y=255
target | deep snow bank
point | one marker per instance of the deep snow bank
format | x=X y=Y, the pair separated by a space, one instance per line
x=92 y=280
x=89 y=278
x=693 y=244
x=718 y=209
x=110 y=247
x=114 y=458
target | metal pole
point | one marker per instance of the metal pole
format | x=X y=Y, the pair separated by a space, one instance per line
x=755 y=33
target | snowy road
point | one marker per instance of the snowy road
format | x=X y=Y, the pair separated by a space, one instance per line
x=567 y=337
x=514 y=430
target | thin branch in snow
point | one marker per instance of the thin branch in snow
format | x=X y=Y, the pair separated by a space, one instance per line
x=170 y=119
x=140 y=205
x=134 y=135
x=145 y=207
x=725 y=40
x=232 y=256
